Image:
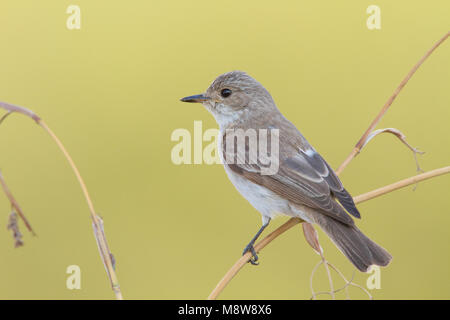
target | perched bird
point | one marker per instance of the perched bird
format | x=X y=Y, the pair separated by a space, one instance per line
x=302 y=185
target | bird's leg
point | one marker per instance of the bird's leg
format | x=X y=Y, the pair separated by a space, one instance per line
x=250 y=247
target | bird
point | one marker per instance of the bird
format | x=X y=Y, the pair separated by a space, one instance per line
x=302 y=183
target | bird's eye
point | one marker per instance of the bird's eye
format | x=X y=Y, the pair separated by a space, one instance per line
x=225 y=93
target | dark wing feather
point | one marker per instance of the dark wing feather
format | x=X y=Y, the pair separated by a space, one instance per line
x=336 y=187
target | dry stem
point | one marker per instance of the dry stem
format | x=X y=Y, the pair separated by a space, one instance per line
x=347 y=283
x=294 y=221
x=14 y=204
x=386 y=106
x=401 y=184
x=97 y=223
x=401 y=137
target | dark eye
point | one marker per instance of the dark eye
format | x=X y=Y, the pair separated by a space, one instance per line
x=225 y=93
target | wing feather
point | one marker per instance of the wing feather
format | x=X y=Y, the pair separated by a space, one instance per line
x=301 y=179
x=336 y=187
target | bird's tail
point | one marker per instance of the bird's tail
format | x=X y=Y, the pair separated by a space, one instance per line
x=358 y=248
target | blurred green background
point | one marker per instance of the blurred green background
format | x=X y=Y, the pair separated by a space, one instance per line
x=110 y=91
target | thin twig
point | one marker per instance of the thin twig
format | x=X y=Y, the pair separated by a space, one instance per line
x=349 y=283
x=401 y=184
x=246 y=257
x=14 y=204
x=5 y=116
x=330 y=280
x=401 y=137
x=311 y=287
x=386 y=106
x=98 y=225
x=332 y=292
x=100 y=236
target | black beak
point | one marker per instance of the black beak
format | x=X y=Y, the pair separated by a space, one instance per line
x=197 y=98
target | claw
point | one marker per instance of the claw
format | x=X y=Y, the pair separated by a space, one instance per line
x=250 y=248
x=254 y=257
x=253 y=260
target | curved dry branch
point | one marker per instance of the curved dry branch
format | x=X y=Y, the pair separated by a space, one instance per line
x=386 y=106
x=294 y=221
x=401 y=137
x=96 y=220
x=11 y=108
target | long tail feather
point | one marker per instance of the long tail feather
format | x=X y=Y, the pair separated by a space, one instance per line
x=358 y=248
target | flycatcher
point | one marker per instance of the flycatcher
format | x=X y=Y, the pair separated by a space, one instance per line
x=300 y=184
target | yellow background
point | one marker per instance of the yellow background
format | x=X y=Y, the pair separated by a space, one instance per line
x=110 y=91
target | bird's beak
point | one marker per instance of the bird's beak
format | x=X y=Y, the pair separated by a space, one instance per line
x=199 y=98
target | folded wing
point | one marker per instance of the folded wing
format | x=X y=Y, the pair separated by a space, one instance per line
x=303 y=178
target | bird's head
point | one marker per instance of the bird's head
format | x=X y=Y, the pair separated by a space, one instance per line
x=234 y=97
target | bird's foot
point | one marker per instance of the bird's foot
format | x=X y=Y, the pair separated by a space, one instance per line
x=253 y=260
